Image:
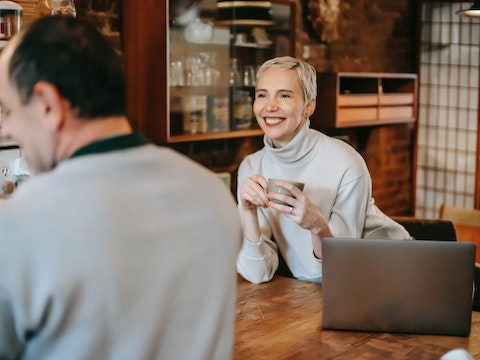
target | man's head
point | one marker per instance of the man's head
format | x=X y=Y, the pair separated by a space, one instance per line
x=55 y=76
x=74 y=57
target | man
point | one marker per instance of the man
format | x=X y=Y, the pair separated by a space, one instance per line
x=114 y=248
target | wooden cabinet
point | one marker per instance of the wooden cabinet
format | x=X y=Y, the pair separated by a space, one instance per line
x=171 y=108
x=365 y=99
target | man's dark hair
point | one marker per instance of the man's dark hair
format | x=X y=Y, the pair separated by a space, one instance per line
x=75 y=57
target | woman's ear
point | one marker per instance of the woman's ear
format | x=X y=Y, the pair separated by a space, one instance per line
x=52 y=105
x=310 y=108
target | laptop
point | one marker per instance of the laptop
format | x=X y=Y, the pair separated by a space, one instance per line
x=404 y=286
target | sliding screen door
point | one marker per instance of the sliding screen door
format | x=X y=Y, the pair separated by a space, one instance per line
x=448 y=108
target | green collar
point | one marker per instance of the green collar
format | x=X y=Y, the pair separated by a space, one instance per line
x=111 y=144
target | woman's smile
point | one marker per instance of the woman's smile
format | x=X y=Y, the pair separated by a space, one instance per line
x=273 y=121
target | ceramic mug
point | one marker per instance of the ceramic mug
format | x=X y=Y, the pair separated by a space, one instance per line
x=272 y=187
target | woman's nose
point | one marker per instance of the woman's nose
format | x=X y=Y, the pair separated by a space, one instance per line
x=271 y=105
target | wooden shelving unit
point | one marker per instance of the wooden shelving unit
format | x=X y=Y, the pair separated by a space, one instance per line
x=161 y=108
x=348 y=99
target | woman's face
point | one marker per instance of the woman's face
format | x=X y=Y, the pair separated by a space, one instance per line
x=279 y=105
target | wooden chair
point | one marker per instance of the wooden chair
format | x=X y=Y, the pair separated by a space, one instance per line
x=467 y=224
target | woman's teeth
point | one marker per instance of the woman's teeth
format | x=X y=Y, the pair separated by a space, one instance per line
x=272 y=121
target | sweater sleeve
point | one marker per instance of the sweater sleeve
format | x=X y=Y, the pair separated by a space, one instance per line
x=348 y=212
x=356 y=215
x=257 y=262
x=380 y=226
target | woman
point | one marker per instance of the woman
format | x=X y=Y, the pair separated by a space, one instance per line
x=336 y=200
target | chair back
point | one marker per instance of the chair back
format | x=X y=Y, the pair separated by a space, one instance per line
x=428 y=229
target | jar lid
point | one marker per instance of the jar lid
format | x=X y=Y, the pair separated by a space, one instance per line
x=10 y=5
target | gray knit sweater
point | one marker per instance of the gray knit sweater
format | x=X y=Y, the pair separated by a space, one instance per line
x=129 y=254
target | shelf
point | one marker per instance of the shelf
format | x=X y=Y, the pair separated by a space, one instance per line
x=254 y=46
x=365 y=99
x=182 y=91
x=214 y=135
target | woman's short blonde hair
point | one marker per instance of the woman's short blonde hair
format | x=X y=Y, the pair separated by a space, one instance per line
x=306 y=73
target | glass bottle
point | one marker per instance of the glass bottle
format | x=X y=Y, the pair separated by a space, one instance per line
x=55 y=7
x=236 y=77
x=212 y=74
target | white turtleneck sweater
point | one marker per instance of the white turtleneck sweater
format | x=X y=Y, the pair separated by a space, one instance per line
x=336 y=180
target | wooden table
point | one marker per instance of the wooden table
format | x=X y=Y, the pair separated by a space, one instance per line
x=282 y=319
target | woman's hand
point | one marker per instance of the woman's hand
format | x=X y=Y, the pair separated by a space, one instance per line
x=300 y=209
x=303 y=212
x=254 y=193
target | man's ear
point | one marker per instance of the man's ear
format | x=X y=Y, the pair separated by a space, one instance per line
x=53 y=106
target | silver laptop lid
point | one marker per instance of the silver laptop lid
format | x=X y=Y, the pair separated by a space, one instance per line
x=409 y=286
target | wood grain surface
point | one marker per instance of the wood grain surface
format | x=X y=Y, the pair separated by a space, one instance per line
x=282 y=319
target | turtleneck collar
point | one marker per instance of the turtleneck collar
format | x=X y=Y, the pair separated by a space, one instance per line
x=297 y=149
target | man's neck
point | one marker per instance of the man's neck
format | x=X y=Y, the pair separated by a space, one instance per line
x=83 y=132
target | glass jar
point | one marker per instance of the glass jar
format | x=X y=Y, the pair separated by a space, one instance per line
x=11 y=19
x=242 y=110
x=195 y=114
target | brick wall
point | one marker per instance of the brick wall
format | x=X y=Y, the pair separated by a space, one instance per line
x=389 y=156
x=105 y=15
x=374 y=35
